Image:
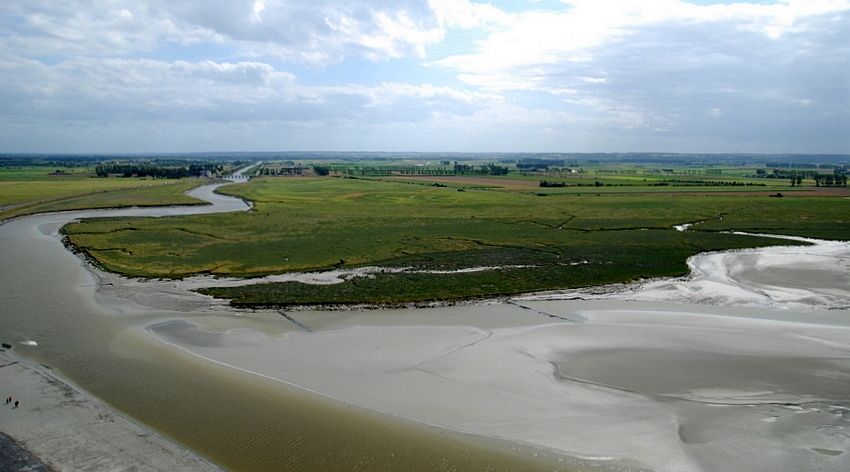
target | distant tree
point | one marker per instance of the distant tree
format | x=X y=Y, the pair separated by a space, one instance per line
x=462 y=168
x=493 y=169
x=829 y=180
x=321 y=170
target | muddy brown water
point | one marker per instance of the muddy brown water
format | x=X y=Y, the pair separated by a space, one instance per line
x=49 y=315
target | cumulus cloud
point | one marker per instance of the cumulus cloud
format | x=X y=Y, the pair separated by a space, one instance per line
x=465 y=14
x=577 y=34
x=663 y=66
x=317 y=32
x=582 y=75
x=39 y=28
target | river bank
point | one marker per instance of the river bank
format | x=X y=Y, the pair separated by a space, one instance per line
x=631 y=386
x=743 y=365
x=53 y=316
x=69 y=430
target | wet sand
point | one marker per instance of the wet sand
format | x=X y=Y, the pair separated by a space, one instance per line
x=64 y=429
x=778 y=278
x=756 y=378
x=745 y=365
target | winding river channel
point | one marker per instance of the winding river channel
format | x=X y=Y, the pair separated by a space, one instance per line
x=611 y=366
x=50 y=315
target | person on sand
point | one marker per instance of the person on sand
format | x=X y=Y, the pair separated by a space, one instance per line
x=9 y=400
x=17 y=403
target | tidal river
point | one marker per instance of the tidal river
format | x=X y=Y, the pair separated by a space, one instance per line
x=242 y=422
x=747 y=369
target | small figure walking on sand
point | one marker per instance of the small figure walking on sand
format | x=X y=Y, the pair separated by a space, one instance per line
x=17 y=403
x=9 y=400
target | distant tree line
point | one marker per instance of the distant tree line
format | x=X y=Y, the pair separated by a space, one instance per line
x=830 y=180
x=671 y=172
x=375 y=171
x=617 y=172
x=799 y=165
x=838 y=177
x=532 y=165
x=487 y=169
x=707 y=183
x=289 y=170
x=156 y=171
x=9 y=162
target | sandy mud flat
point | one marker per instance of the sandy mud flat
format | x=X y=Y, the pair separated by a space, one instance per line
x=744 y=365
x=749 y=369
x=68 y=430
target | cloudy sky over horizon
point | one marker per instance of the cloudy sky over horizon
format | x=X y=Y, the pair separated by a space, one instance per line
x=106 y=76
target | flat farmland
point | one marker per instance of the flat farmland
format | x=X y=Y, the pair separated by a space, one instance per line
x=37 y=189
x=16 y=192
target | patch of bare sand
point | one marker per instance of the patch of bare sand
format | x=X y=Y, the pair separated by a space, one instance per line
x=632 y=381
x=71 y=431
x=781 y=278
x=636 y=384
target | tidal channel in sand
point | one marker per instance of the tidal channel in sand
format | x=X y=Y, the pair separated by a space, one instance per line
x=627 y=381
x=51 y=315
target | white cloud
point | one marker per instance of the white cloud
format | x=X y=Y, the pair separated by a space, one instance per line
x=580 y=75
x=258 y=10
x=95 y=28
x=656 y=66
x=108 y=91
x=555 y=37
x=467 y=15
x=315 y=32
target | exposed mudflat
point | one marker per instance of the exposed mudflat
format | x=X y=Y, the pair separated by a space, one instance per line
x=744 y=365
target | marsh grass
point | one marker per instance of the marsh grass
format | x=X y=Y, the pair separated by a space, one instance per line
x=565 y=240
x=619 y=257
x=12 y=192
x=71 y=194
x=32 y=183
x=814 y=217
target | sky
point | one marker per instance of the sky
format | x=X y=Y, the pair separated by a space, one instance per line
x=698 y=76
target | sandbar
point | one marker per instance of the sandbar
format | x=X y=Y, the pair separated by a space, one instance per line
x=66 y=429
x=731 y=368
x=743 y=365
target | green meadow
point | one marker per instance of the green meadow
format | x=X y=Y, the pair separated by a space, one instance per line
x=530 y=239
x=38 y=189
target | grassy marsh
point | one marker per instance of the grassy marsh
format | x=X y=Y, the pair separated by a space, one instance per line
x=564 y=239
x=23 y=197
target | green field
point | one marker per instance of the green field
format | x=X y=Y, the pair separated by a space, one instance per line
x=27 y=187
x=37 y=189
x=533 y=241
x=593 y=222
x=72 y=196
